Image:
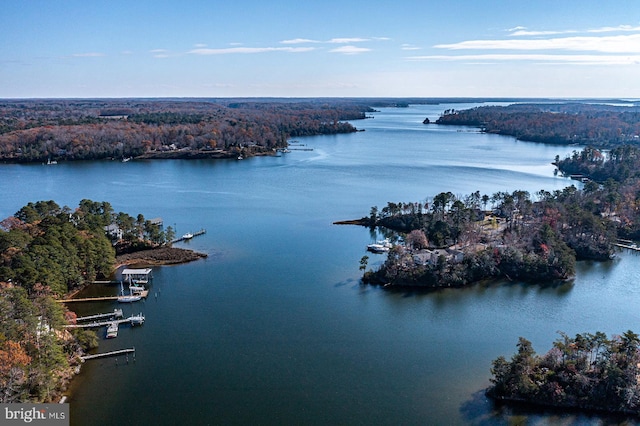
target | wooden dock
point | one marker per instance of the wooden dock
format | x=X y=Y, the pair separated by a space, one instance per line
x=117 y=313
x=143 y=294
x=627 y=246
x=105 y=354
x=133 y=320
x=195 y=234
x=88 y=299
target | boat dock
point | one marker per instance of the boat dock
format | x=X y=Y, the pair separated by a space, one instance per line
x=133 y=320
x=143 y=294
x=184 y=238
x=105 y=354
x=633 y=247
x=88 y=299
x=117 y=313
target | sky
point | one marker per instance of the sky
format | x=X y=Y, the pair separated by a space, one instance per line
x=328 y=48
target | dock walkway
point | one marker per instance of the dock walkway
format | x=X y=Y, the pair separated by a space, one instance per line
x=105 y=354
x=627 y=246
x=195 y=234
x=117 y=313
x=143 y=294
x=133 y=320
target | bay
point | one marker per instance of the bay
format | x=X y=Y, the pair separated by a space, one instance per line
x=274 y=326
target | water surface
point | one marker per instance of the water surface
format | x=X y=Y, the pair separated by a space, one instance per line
x=274 y=326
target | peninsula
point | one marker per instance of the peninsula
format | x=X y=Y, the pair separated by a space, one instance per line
x=450 y=241
x=46 y=253
x=54 y=130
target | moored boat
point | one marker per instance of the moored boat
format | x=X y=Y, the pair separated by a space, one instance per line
x=137 y=319
x=380 y=246
x=112 y=330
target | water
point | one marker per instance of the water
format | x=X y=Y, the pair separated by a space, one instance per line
x=274 y=327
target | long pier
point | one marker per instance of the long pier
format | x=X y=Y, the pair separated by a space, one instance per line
x=143 y=294
x=133 y=319
x=88 y=299
x=105 y=354
x=195 y=234
x=117 y=313
x=627 y=246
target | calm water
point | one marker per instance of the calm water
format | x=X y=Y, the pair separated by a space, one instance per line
x=274 y=327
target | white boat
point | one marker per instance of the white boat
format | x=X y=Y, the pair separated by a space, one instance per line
x=380 y=246
x=137 y=319
x=136 y=289
x=187 y=236
x=128 y=298
x=112 y=330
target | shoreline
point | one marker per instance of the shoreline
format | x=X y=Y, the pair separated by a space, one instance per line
x=154 y=257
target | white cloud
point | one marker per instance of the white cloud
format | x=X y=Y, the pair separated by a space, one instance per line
x=350 y=50
x=542 y=58
x=299 y=41
x=608 y=44
x=88 y=55
x=199 y=45
x=407 y=46
x=248 y=50
x=347 y=40
x=160 y=53
x=523 y=31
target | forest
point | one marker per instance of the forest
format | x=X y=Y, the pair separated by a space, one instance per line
x=47 y=251
x=67 y=129
x=597 y=125
x=588 y=371
x=452 y=241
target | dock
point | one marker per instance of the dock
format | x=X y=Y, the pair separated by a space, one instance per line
x=143 y=293
x=195 y=234
x=105 y=354
x=88 y=299
x=633 y=247
x=117 y=313
x=133 y=320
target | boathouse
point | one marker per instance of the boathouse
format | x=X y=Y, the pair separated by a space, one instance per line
x=141 y=276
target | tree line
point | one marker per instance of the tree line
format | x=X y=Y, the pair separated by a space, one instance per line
x=603 y=126
x=39 y=130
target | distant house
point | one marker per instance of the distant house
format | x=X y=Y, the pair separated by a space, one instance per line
x=430 y=257
x=114 y=232
x=156 y=221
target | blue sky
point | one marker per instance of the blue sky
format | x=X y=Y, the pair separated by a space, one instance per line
x=475 y=48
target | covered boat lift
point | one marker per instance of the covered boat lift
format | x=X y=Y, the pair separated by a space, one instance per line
x=141 y=276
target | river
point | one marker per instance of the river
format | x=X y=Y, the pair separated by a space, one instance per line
x=274 y=326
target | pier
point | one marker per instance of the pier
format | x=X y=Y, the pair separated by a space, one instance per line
x=117 y=313
x=88 y=299
x=633 y=247
x=133 y=320
x=195 y=234
x=105 y=354
x=142 y=293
